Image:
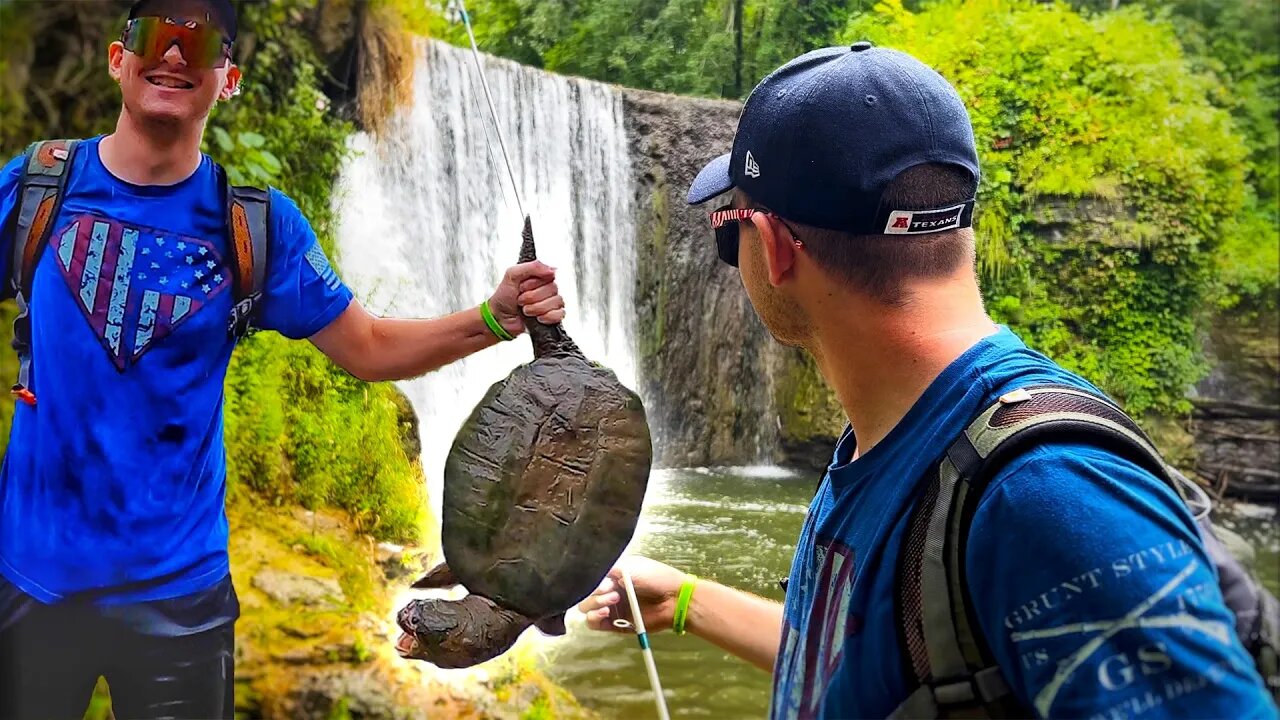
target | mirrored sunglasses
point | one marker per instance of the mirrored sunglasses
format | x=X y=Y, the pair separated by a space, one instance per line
x=202 y=46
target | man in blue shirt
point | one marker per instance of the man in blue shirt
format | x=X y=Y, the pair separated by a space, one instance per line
x=113 y=535
x=852 y=180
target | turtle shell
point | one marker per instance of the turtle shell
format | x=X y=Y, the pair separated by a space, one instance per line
x=544 y=484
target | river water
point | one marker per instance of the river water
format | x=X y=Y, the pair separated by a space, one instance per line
x=739 y=526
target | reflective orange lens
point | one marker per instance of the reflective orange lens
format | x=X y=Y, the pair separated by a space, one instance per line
x=201 y=46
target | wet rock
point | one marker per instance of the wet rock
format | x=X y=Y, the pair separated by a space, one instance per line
x=1058 y=220
x=301 y=630
x=289 y=588
x=318 y=522
x=362 y=694
x=1236 y=421
x=407 y=419
x=347 y=651
x=394 y=560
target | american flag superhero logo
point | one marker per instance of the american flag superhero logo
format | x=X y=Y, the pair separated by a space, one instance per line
x=135 y=285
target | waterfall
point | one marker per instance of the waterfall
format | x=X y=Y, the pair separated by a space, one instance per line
x=428 y=222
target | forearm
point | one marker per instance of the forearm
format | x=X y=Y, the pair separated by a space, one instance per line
x=404 y=348
x=742 y=624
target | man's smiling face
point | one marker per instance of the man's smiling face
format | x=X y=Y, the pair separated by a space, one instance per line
x=170 y=89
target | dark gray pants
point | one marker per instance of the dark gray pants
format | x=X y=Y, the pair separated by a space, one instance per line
x=51 y=657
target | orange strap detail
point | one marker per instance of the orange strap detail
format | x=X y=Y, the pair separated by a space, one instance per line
x=244 y=249
x=42 y=219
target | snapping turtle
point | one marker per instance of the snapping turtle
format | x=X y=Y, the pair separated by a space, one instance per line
x=542 y=491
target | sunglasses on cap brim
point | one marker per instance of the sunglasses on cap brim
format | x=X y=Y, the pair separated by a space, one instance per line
x=725 y=221
x=202 y=46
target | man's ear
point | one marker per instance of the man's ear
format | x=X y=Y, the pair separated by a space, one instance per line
x=231 y=87
x=779 y=250
x=115 y=58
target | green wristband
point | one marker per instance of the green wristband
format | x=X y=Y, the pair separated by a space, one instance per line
x=682 y=605
x=494 y=326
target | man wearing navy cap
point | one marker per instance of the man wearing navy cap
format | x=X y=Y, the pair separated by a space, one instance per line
x=113 y=536
x=850 y=191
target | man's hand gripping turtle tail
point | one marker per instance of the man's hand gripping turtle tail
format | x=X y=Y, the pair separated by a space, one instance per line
x=113 y=536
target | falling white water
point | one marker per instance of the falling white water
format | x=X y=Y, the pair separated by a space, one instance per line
x=428 y=222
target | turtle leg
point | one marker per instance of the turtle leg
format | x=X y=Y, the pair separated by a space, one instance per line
x=458 y=633
x=552 y=625
x=439 y=577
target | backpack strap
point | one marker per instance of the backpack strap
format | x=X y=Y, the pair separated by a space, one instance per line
x=248 y=229
x=40 y=192
x=944 y=646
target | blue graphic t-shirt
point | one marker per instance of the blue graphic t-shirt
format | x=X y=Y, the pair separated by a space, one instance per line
x=1086 y=573
x=113 y=483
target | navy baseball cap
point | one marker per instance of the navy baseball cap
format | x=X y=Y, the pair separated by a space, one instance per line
x=821 y=138
x=219 y=13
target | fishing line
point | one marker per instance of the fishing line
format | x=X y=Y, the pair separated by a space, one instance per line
x=484 y=83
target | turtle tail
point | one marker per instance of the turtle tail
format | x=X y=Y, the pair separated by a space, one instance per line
x=458 y=633
x=548 y=340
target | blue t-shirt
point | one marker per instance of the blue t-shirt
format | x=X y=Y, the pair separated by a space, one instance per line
x=113 y=484
x=1087 y=574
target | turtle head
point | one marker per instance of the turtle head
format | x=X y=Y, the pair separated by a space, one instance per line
x=457 y=633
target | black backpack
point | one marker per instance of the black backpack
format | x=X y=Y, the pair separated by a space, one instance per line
x=40 y=191
x=943 y=643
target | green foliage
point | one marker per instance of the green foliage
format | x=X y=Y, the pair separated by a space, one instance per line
x=298 y=429
x=1063 y=108
x=681 y=46
x=1237 y=42
x=539 y=709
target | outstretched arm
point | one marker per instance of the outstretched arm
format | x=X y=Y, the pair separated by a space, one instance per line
x=742 y=624
x=375 y=348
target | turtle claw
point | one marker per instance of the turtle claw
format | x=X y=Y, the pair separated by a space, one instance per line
x=552 y=625
x=439 y=577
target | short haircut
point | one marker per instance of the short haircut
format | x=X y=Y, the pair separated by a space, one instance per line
x=880 y=265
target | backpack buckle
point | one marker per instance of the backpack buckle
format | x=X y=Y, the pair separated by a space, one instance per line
x=985 y=686
x=955 y=692
x=23 y=395
x=242 y=315
x=1015 y=396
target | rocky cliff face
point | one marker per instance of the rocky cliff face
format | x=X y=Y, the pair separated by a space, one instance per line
x=1236 y=423
x=715 y=376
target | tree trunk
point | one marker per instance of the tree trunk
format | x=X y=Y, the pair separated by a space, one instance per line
x=737 y=36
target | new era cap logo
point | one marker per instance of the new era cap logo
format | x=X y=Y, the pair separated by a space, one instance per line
x=904 y=222
x=753 y=168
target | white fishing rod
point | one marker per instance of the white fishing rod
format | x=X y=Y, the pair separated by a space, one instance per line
x=643 y=638
x=484 y=83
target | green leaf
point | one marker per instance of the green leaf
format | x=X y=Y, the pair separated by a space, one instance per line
x=269 y=162
x=235 y=176
x=223 y=139
x=252 y=140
